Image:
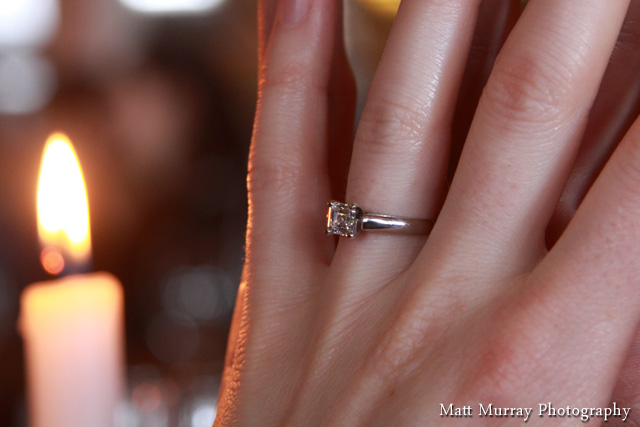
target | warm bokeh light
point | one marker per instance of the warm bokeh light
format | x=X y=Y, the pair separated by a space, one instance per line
x=63 y=214
x=172 y=7
x=389 y=7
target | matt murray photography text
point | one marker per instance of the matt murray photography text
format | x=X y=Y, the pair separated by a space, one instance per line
x=543 y=410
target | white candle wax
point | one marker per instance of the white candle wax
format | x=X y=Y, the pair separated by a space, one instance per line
x=73 y=333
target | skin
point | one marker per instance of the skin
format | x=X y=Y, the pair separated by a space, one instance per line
x=525 y=292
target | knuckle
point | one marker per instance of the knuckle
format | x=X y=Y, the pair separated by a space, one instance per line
x=526 y=90
x=396 y=352
x=408 y=342
x=499 y=372
x=391 y=127
x=395 y=359
x=513 y=355
x=504 y=365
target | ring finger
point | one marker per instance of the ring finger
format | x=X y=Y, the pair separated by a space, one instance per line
x=400 y=152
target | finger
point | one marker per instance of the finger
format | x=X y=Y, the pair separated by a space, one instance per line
x=288 y=179
x=341 y=96
x=589 y=280
x=495 y=21
x=525 y=133
x=615 y=108
x=400 y=152
x=288 y=186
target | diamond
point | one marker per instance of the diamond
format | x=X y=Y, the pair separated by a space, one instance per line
x=344 y=219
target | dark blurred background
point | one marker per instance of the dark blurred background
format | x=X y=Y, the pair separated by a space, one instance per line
x=158 y=98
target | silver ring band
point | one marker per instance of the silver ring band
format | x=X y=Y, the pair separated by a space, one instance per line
x=348 y=220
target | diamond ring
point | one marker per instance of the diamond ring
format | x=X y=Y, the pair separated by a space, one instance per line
x=348 y=220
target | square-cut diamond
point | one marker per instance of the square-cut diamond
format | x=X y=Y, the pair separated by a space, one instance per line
x=344 y=219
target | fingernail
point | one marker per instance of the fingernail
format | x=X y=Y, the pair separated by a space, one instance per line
x=293 y=11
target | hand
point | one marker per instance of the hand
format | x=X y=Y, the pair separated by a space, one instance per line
x=381 y=329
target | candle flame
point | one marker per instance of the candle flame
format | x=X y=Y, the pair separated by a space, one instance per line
x=63 y=213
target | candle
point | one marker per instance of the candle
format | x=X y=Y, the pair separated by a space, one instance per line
x=72 y=327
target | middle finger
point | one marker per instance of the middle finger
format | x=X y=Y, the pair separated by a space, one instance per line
x=525 y=135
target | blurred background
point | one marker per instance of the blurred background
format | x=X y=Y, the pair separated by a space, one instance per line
x=158 y=98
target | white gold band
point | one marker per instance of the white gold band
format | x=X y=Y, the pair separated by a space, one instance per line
x=348 y=220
